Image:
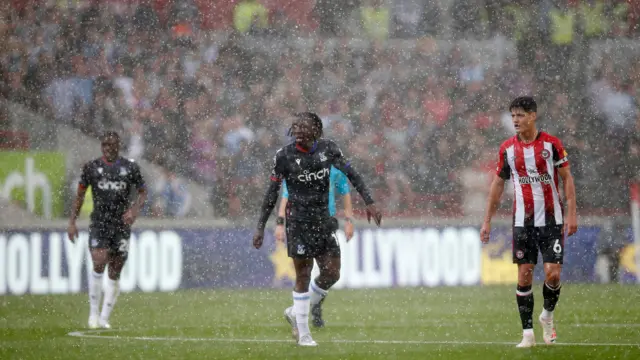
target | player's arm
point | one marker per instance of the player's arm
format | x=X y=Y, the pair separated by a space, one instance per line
x=279 y=232
x=72 y=230
x=495 y=193
x=340 y=163
x=503 y=173
x=270 y=198
x=561 y=162
x=131 y=215
x=342 y=187
x=348 y=216
x=571 y=223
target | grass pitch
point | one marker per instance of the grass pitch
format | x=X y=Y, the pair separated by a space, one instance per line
x=593 y=322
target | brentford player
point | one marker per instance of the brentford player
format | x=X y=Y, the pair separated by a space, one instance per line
x=534 y=160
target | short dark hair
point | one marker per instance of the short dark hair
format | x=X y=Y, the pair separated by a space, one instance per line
x=314 y=118
x=109 y=134
x=526 y=103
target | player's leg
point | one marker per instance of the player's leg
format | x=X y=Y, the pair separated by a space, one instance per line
x=301 y=300
x=299 y=247
x=525 y=254
x=329 y=264
x=552 y=248
x=99 y=258
x=117 y=259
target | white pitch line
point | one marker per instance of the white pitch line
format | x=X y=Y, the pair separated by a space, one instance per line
x=607 y=325
x=93 y=334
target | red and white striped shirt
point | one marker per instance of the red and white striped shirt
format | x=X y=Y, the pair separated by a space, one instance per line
x=533 y=169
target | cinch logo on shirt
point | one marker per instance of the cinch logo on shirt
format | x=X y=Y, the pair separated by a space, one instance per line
x=544 y=178
x=306 y=176
x=112 y=185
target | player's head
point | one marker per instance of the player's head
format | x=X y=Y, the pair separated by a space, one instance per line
x=523 y=113
x=110 y=143
x=306 y=128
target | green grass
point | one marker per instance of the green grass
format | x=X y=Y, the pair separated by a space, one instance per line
x=37 y=327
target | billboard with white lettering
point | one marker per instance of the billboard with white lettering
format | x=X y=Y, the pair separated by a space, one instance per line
x=48 y=263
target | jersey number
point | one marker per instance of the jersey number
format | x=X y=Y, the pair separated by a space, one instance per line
x=124 y=246
x=557 y=248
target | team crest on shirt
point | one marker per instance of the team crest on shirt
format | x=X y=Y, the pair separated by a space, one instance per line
x=100 y=170
x=545 y=154
x=123 y=171
x=298 y=162
x=323 y=158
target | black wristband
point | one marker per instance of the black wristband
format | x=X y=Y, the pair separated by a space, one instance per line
x=280 y=220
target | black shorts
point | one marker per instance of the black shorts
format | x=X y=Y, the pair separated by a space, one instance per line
x=114 y=237
x=308 y=240
x=528 y=241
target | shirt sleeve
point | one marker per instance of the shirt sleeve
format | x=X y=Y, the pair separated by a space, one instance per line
x=338 y=160
x=341 y=182
x=502 y=169
x=85 y=177
x=285 y=191
x=560 y=158
x=277 y=170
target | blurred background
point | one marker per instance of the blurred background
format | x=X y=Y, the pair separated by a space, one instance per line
x=415 y=91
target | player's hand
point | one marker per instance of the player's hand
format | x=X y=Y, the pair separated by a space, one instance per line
x=485 y=231
x=373 y=212
x=258 y=237
x=72 y=232
x=129 y=217
x=570 y=226
x=348 y=230
x=279 y=233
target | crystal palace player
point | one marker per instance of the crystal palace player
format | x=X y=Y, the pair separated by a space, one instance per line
x=111 y=179
x=337 y=183
x=305 y=165
x=533 y=160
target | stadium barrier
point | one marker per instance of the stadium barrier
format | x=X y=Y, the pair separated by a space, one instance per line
x=45 y=262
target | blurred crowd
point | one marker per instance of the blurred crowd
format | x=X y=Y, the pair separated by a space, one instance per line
x=417 y=107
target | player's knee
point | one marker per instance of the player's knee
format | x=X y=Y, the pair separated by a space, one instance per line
x=334 y=276
x=98 y=268
x=553 y=277
x=525 y=275
x=114 y=274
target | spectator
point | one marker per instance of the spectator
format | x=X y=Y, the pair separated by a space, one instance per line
x=375 y=19
x=171 y=197
x=250 y=16
x=185 y=99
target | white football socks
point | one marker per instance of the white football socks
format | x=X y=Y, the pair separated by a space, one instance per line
x=546 y=314
x=111 y=293
x=301 y=310
x=317 y=294
x=95 y=292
